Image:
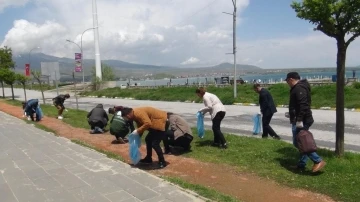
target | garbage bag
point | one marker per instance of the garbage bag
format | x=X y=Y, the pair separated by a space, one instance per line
x=39 y=113
x=134 y=145
x=200 y=125
x=257 y=124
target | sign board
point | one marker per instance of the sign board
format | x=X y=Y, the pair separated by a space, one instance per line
x=51 y=70
x=78 y=65
x=27 y=69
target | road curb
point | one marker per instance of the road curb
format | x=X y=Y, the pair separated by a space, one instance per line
x=286 y=106
x=236 y=103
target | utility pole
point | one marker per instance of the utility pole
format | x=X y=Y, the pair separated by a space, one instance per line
x=96 y=39
x=75 y=91
x=82 y=56
x=234 y=45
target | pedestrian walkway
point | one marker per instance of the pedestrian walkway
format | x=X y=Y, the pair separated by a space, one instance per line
x=37 y=166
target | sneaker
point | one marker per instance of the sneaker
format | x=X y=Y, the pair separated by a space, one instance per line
x=162 y=164
x=92 y=131
x=100 y=130
x=277 y=138
x=167 y=152
x=297 y=168
x=224 y=146
x=187 y=148
x=146 y=160
x=120 y=140
x=215 y=144
x=264 y=137
x=60 y=117
x=318 y=166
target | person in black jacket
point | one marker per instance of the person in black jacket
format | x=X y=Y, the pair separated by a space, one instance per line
x=97 y=119
x=58 y=102
x=267 y=108
x=300 y=115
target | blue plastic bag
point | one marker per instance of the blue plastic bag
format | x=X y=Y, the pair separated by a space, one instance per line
x=134 y=145
x=200 y=125
x=39 y=113
x=257 y=124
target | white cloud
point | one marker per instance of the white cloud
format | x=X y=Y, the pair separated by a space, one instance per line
x=313 y=50
x=162 y=32
x=190 y=61
x=13 y=3
x=141 y=30
x=26 y=35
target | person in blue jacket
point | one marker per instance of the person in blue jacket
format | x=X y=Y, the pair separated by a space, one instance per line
x=30 y=108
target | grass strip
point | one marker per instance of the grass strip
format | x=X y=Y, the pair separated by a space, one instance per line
x=267 y=158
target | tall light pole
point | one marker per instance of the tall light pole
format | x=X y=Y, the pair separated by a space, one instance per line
x=82 y=56
x=81 y=50
x=96 y=39
x=234 y=45
x=30 y=63
x=30 y=54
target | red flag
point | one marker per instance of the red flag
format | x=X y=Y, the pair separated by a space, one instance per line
x=27 y=69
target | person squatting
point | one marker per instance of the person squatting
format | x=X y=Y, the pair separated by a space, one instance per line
x=175 y=132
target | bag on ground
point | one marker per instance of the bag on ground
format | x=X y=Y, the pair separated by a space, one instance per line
x=200 y=125
x=257 y=124
x=305 y=142
x=134 y=145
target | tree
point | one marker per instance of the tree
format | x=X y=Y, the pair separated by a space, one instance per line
x=23 y=80
x=107 y=75
x=37 y=76
x=9 y=77
x=6 y=62
x=2 y=76
x=338 y=19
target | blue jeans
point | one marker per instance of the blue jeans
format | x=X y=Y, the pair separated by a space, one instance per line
x=304 y=157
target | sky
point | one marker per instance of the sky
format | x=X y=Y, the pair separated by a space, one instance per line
x=182 y=33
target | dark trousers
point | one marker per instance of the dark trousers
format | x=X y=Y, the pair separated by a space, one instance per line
x=183 y=141
x=216 y=122
x=169 y=140
x=267 y=130
x=94 y=124
x=153 y=139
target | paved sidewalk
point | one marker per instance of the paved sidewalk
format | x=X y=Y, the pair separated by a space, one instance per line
x=37 y=166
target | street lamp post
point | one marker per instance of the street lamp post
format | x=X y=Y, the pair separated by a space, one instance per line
x=81 y=50
x=30 y=62
x=30 y=54
x=82 y=53
x=234 y=44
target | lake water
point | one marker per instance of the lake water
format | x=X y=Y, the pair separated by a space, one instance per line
x=265 y=78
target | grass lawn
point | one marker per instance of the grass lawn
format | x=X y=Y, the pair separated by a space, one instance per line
x=265 y=157
x=246 y=94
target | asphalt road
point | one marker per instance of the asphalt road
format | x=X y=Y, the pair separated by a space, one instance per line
x=238 y=119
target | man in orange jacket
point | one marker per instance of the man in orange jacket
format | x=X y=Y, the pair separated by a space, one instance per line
x=154 y=121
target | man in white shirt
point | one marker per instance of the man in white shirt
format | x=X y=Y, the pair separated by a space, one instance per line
x=214 y=106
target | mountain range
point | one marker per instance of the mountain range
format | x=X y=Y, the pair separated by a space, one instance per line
x=126 y=69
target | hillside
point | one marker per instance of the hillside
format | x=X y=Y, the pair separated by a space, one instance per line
x=125 y=69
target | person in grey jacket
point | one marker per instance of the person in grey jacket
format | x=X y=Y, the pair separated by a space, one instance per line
x=97 y=119
x=179 y=133
x=214 y=106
